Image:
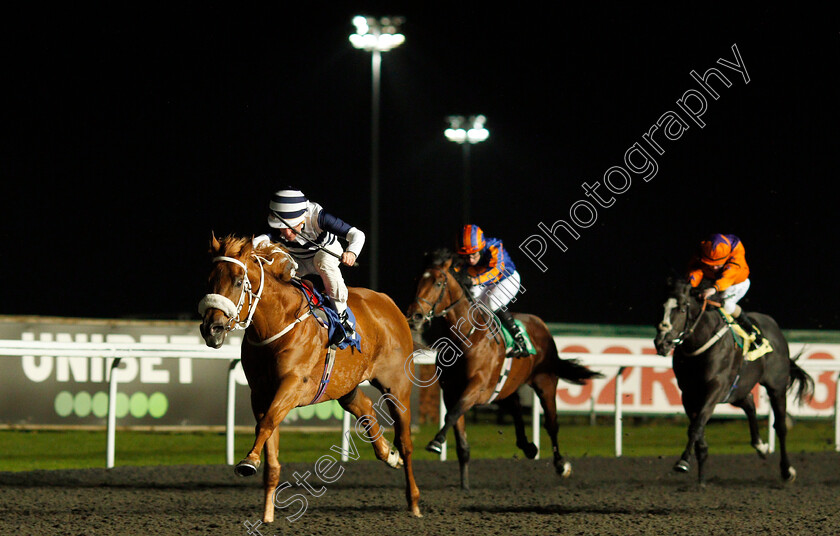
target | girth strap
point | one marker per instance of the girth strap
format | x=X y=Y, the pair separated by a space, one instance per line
x=329 y=362
x=503 y=376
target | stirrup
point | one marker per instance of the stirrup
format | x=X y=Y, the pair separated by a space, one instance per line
x=520 y=347
x=345 y=324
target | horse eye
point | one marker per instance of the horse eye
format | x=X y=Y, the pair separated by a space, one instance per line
x=238 y=283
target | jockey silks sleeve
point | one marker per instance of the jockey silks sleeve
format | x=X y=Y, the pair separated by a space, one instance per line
x=320 y=229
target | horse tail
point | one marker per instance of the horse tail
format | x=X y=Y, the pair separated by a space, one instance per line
x=573 y=372
x=805 y=389
x=568 y=369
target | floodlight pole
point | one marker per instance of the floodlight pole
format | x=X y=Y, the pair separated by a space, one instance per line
x=465 y=195
x=466 y=132
x=375 y=36
x=376 y=65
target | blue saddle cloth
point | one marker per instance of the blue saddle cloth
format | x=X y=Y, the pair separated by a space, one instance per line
x=335 y=330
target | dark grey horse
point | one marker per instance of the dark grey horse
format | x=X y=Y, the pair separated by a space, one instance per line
x=710 y=370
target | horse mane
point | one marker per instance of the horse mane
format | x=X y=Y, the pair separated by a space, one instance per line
x=279 y=264
x=440 y=256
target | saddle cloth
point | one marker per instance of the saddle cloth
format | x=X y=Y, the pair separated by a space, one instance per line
x=747 y=340
x=328 y=317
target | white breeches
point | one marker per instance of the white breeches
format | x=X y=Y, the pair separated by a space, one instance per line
x=328 y=267
x=733 y=294
x=497 y=295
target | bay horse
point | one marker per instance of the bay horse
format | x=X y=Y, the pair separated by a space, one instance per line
x=283 y=355
x=474 y=377
x=710 y=369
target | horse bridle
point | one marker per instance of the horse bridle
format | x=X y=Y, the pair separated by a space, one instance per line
x=686 y=332
x=681 y=338
x=432 y=306
x=226 y=305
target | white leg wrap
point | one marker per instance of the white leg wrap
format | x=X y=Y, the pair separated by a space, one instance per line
x=394 y=458
x=567 y=470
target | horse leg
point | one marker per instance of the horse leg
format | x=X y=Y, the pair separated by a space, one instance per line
x=546 y=388
x=398 y=405
x=514 y=407
x=748 y=405
x=271 y=474
x=454 y=411
x=778 y=401
x=701 y=452
x=462 y=448
x=696 y=433
x=359 y=405
x=284 y=400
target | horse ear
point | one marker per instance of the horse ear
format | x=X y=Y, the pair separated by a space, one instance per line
x=215 y=246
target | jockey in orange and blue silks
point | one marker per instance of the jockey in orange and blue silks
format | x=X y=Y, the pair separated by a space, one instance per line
x=493 y=278
x=721 y=259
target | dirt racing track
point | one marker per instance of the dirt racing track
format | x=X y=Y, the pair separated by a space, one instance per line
x=514 y=496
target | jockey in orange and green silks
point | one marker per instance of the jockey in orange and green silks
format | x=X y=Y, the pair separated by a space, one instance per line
x=493 y=278
x=721 y=259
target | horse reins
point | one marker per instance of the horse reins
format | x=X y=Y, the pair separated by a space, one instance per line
x=685 y=334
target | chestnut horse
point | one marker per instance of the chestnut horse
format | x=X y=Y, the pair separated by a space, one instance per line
x=474 y=377
x=284 y=348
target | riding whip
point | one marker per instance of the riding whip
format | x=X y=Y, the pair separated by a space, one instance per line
x=311 y=243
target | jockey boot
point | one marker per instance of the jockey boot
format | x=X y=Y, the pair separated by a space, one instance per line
x=345 y=323
x=749 y=326
x=520 y=348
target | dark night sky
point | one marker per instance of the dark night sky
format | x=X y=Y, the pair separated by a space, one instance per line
x=132 y=135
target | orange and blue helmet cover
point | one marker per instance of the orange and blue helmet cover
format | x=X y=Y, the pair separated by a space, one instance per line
x=471 y=240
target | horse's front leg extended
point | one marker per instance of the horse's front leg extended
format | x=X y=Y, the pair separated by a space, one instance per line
x=454 y=410
x=696 y=440
x=284 y=400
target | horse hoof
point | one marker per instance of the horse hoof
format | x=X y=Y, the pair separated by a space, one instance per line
x=791 y=475
x=762 y=449
x=246 y=468
x=530 y=451
x=682 y=466
x=434 y=446
x=564 y=469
